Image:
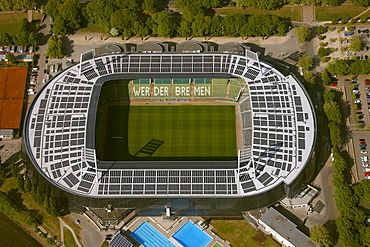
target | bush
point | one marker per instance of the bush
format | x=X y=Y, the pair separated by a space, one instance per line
x=325 y=59
x=322 y=37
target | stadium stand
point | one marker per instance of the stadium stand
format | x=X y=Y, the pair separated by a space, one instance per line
x=277 y=116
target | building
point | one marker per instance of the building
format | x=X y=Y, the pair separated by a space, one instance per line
x=283 y=230
x=109 y=217
x=278 y=132
x=12 y=90
x=302 y=199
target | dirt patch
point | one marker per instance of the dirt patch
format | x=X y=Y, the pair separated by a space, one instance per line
x=260 y=237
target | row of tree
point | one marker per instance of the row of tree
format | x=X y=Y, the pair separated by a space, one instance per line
x=277 y=4
x=349 y=67
x=351 y=222
x=24 y=36
x=6 y=5
x=124 y=17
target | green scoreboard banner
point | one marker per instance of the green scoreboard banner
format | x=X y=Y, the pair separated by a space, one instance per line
x=170 y=91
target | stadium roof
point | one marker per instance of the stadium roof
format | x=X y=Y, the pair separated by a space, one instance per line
x=278 y=127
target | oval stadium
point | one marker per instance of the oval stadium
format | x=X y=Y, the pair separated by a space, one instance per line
x=208 y=129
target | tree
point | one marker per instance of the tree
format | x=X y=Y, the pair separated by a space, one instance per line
x=303 y=33
x=325 y=78
x=321 y=30
x=201 y=25
x=127 y=22
x=10 y=57
x=150 y=6
x=322 y=52
x=333 y=2
x=6 y=39
x=55 y=48
x=233 y=24
x=356 y=44
x=192 y=7
x=100 y=12
x=309 y=79
x=321 y=235
x=305 y=61
x=164 y=24
x=54 y=205
x=261 y=4
x=362 y=3
x=263 y=26
x=66 y=14
x=338 y=67
x=126 y=4
x=2 y=174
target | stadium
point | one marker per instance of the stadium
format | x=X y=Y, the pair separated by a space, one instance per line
x=208 y=129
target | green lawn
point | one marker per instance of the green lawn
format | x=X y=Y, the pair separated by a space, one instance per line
x=69 y=241
x=49 y=222
x=292 y=13
x=76 y=228
x=240 y=234
x=91 y=28
x=9 y=22
x=345 y=11
x=187 y=131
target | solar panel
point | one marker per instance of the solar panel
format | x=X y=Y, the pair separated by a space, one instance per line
x=120 y=241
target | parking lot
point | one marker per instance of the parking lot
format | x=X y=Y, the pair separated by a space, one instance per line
x=361 y=154
x=357 y=93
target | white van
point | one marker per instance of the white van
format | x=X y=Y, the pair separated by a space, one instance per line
x=366 y=169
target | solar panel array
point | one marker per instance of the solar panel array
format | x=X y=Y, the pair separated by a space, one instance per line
x=120 y=241
x=277 y=125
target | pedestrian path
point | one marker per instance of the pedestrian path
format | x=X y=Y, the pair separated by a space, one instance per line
x=62 y=225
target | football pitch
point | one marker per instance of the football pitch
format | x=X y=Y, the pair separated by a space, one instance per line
x=169 y=132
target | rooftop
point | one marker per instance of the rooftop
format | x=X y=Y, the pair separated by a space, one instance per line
x=285 y=228
x=278 y=127
x=12 y=89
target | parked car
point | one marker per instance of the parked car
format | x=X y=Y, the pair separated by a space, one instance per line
x=367 y=174
x=334 y=84
x=363 y=145
x=357 y=101
x=362 y=140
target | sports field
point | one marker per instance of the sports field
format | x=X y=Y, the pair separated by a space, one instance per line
x=169 y=132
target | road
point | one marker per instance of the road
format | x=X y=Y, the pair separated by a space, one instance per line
x=91 y=236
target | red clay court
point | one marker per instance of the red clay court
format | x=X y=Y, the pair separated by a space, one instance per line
x=12 y=88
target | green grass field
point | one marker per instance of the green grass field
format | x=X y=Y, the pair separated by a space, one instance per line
x=185 y=132
x=291 y=13
x=9 y=22
x=240 y=234
x=345 y=11
x=69 y=241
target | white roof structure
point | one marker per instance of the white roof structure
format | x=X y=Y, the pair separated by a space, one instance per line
x=277 y=116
